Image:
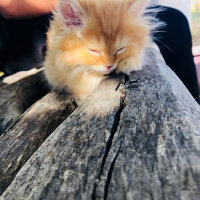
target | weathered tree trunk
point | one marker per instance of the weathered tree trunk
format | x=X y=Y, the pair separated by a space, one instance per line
x=132 y=139
x=29 y=132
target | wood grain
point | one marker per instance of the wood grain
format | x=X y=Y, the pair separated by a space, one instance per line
x=136 y=138
x=29 y=132
x=15 y=98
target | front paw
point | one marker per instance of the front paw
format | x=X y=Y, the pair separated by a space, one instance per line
x=128 y=65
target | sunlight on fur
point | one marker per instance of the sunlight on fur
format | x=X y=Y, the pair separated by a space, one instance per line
x=102 y=101
x=89 y=39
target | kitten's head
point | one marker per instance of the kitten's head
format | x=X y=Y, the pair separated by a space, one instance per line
x=99 y=35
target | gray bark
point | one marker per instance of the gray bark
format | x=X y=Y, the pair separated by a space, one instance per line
x=15 y=98
x=146 y=146
x=29 y=132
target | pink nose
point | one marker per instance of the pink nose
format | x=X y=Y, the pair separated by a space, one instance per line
x=108 y=67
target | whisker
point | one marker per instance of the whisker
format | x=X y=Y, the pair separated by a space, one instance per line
x=121 y=60
x=163 y=44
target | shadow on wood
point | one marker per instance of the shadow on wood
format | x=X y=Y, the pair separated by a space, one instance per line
x=15 y=98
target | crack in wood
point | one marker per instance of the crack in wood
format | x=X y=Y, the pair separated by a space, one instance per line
x=113 y=130
x=109 y=175
x=149 y=150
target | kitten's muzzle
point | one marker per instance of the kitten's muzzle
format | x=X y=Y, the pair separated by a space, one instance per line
x=111 y=73
x=109 y=67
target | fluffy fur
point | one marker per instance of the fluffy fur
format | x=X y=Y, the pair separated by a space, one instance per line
x=89 y=39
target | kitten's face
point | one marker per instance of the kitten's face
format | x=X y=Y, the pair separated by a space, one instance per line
x=103 y=38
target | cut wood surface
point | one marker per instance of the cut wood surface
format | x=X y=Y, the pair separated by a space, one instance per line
x=135 y=138
x=16 y=97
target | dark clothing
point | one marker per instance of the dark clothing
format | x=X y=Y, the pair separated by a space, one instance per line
x=175 y=43
x=22 y=43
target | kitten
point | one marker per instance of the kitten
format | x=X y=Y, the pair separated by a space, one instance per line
x=89 y=39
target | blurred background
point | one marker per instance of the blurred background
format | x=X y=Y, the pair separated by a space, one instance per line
x=191 y=9
x=195 y=26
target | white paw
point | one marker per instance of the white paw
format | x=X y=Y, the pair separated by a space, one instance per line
x=129 y=65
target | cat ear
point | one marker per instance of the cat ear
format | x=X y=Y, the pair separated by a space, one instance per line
x=138 y=7
x=71 y=12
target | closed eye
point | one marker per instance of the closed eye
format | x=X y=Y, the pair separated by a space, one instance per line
x=94 y=52
x=119 y=51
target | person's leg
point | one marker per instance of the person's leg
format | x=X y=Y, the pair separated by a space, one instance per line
x=175 y=43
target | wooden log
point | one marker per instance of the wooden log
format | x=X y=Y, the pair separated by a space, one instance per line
x=145 y=147
x=16 y=97
x=18 y=76
x=79 y=120
x=30 y=131
x=155 y=153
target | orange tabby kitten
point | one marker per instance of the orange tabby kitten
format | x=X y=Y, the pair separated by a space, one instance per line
x=89 y=39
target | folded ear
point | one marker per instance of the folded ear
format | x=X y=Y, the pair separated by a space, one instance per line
x=71 y=12
x=138 y=7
